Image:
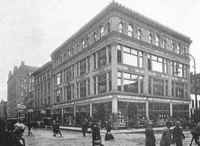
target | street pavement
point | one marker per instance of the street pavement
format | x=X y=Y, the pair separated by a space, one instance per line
x=42 y=137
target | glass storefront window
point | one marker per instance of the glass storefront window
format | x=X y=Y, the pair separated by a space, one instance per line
x=159 y=112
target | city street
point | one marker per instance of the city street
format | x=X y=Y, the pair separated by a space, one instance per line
x=43 y=137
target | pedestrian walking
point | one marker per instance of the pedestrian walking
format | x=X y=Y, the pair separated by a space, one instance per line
x=58 y=129
x=17 y=139
x=150 y=139
x=178 y=135
x=84 y=126
x=54 y=127
x=29 y=128
x=166 y=136
x=108 y=135
x=195 y=134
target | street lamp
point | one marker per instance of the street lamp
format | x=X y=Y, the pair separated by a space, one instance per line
x=195 y=87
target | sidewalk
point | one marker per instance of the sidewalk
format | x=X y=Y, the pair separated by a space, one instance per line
x=119 y=131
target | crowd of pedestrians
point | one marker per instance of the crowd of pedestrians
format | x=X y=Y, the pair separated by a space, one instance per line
x=170 y=136
x=11 y=134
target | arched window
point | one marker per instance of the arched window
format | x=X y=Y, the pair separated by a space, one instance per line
x=108 y=26
x=150 y=39
x=102 y=31
x=130 y=30
x=120 y=27
x=95 y=36
x=139 y=34
x=83 y=44
x=157 y=39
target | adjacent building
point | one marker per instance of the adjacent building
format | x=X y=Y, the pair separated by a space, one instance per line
x=19 y=91
x=3 y=110
x=43 y=91
x=121 y=66
x=195 y=89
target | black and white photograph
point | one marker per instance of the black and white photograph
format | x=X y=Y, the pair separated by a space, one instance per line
x=100 y=73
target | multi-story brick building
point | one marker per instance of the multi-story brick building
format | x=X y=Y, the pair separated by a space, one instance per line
x=123 y=64
x=19 y=87
x=3 y=110
x=43 y=90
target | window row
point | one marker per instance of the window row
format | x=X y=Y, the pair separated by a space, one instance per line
x=100 y=59
x=133 y=57
x=102 y=84
x=152 y=37
x=84 y=42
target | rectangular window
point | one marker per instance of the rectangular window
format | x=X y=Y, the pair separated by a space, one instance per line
x=58 y=78
x=83 y=88
x=94 y=55
x=109 y=54
x=156 y=63
x=119 y=54
x=178 y=89
x=131 y=82
x=158 y=87
x=119 y=81
x=77 y=89
x=95 y=90
x=101 y=83
x=69 y=97
x=88 y=64
x=178 y=69
x=110 y=81
x=77 y=68
x=83 y=66
x=130 y=56
x=101 y=57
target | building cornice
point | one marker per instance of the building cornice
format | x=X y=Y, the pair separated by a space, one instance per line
x=119 y=8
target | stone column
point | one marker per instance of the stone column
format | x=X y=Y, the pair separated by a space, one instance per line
x=90 y=109
x=74 y=114
x=171 y=109
x=114 y=67
x=62 y=116
x=114 y=105
x=147 y=109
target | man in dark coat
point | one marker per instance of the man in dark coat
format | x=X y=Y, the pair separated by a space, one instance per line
x=178 y=135
x=150 y=139
x=84 y=126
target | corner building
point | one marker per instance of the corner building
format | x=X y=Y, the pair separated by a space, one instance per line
x=124 y=67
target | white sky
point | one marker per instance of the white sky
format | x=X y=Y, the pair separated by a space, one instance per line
x=31 y=29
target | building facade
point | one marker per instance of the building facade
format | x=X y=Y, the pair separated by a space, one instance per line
x=43 y=91
x=19 y=90
x=124 y=67
x=3 y=110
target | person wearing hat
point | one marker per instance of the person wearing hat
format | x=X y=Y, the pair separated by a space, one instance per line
x=178 y=135
x=166 y=135
x=18 y=140
x=150 y=139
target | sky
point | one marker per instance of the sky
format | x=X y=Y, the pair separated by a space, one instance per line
x=31 y=29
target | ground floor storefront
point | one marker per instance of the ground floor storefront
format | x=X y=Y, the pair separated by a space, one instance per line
x=122 y=111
